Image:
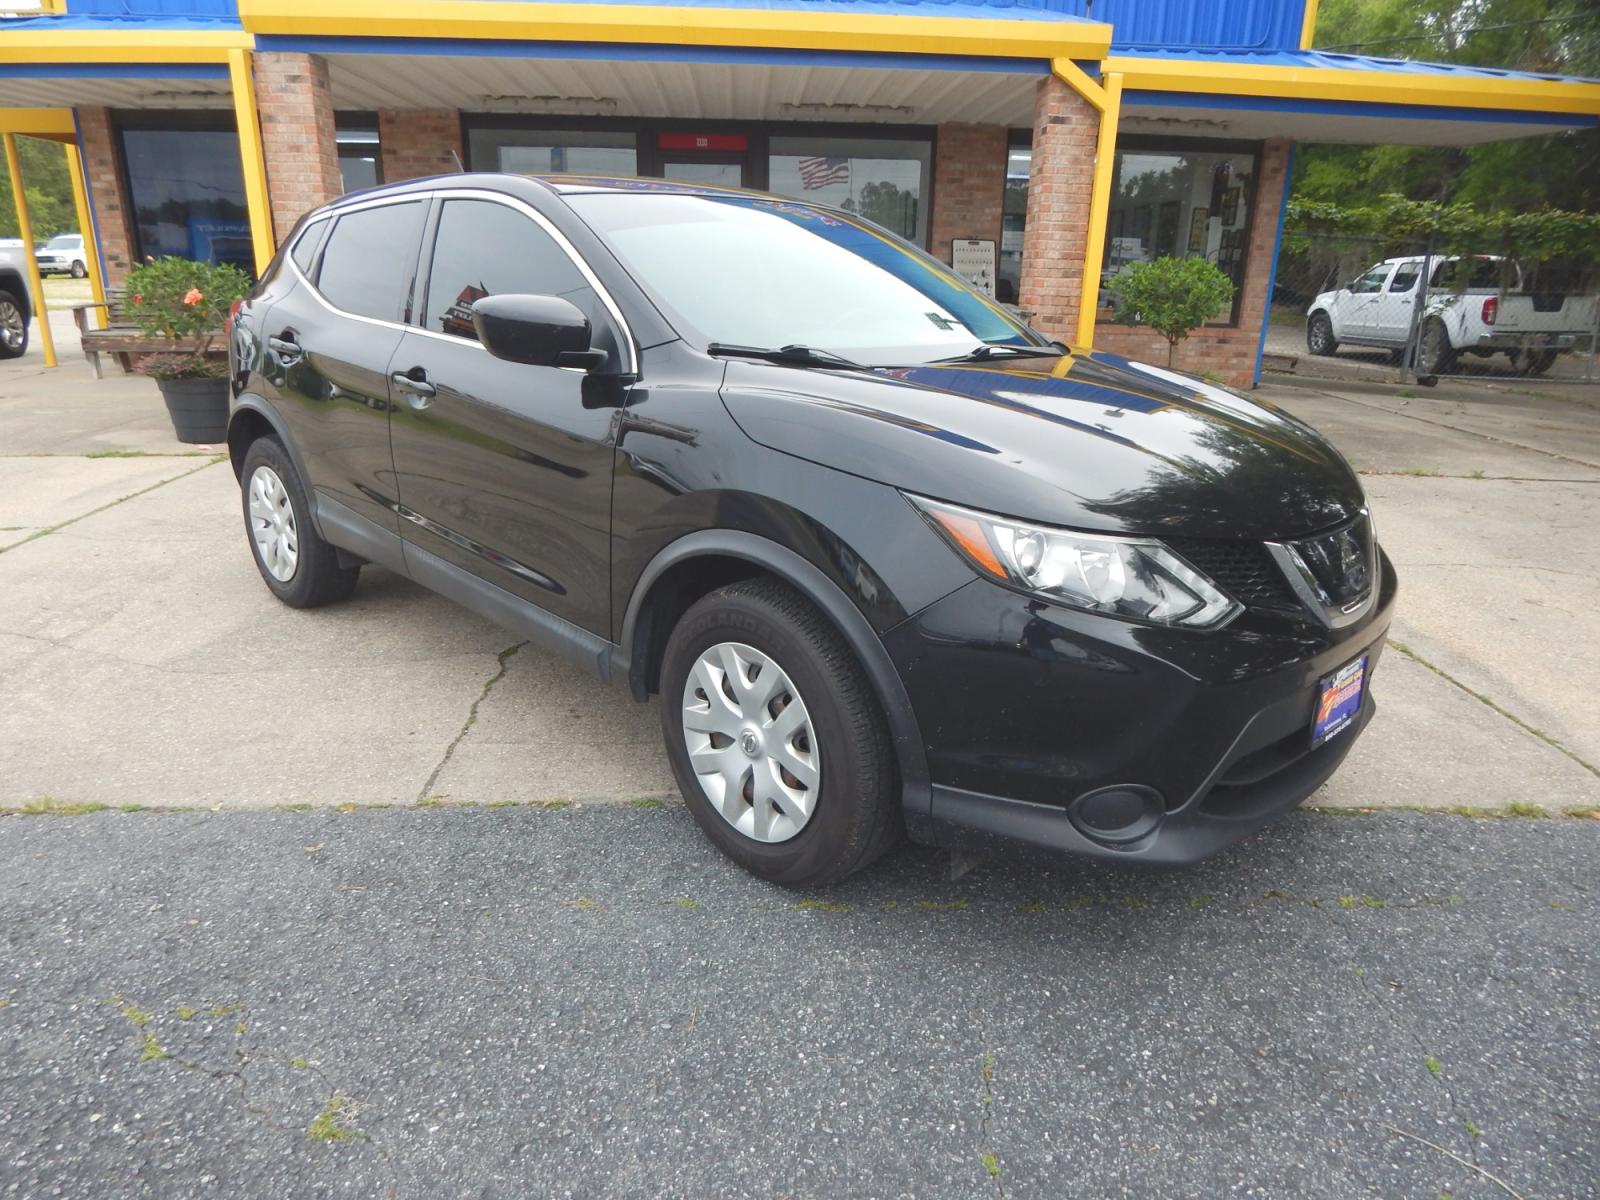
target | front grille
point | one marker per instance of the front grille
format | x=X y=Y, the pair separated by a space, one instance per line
x=1244 y=570
x=1340 y=563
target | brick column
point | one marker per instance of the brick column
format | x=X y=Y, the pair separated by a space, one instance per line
x=297 y=135
x=969 y=185
x=103 y=176
x=419 y=141
x=1065 y=129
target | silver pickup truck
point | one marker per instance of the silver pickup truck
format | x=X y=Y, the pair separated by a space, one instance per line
x=14 y=306
x=1472 y=306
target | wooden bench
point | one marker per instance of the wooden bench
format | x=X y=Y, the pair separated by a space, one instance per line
x=121 y=338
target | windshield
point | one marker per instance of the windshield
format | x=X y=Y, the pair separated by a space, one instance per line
x=749 y=271
x=63 y=241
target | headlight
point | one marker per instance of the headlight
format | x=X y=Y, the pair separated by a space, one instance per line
x=1122 y=577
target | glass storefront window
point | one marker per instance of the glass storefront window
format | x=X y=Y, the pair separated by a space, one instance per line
x=1013 y=218
x=360 y=165
x=882 y=179
x=1179 y=204
x=187 y=193
x=554 y=151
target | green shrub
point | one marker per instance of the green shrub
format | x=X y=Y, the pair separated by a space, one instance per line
x=181 y=298
x=1173 y=296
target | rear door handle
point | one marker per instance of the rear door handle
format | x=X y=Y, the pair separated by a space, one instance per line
x=287 y=349
x=416 y=386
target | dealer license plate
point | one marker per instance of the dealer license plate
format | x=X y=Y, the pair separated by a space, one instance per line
x=1339 y=701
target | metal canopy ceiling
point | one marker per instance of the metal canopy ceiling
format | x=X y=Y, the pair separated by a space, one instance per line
x=115 y=93
x=686 y=90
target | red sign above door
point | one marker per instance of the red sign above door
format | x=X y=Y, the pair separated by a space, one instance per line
x=724 y=142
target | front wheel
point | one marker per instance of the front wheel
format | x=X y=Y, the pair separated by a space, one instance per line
x=299 y=567
x=13 y=327
x=1435 y=356
x=776 y=738
x=1319 y=335
x=79 y=270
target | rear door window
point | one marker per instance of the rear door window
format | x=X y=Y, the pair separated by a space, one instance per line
x=370 y=259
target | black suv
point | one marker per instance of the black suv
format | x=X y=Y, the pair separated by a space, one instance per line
x=892 y=560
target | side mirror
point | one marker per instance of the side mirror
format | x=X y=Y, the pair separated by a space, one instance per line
x=541 y=331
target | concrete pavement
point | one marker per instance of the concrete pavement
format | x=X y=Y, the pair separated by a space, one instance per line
x=146 y=664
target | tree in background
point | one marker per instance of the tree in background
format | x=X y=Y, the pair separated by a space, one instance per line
x=1557 y=171
x=44 y=170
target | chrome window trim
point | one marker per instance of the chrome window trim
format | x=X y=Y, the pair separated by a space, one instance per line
x=630 y=346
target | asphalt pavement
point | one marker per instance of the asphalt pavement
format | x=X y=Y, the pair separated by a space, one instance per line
x=589 y=1002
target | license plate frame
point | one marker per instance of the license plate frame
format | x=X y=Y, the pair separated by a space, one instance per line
x=1341 y=696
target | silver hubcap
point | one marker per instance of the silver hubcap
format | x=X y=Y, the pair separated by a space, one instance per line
x=272 y=524
x=11 y=326
x=750 y=742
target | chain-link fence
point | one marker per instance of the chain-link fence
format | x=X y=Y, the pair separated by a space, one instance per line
x=1384 y=307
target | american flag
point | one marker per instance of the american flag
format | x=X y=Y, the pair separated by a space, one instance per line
x=820 y=172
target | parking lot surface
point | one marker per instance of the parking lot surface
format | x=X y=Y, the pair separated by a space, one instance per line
x=590 y=1002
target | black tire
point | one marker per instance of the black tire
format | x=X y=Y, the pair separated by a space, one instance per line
x=1435 y=356
x=1532 y=362
x=1319 y=335
x=856 y=815
x=317 y=577
x=79 y=271
x=11 y=318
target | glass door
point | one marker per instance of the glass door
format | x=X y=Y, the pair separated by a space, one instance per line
x=719 y=159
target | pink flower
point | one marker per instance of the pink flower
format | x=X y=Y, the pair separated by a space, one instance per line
x=192 y=296
x=138 y=299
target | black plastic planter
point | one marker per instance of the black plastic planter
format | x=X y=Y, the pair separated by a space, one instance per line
x=198 y=408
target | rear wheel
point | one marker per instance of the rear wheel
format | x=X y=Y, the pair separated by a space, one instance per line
x=776 y=738
x=1532 y=362
x=299 y=567
x=1319 y=335
x=13 y=327
x=1435 y=356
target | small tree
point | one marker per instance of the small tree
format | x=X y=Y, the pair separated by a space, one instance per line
x=1173 y=296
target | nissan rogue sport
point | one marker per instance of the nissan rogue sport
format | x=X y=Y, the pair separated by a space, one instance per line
x=891 y=560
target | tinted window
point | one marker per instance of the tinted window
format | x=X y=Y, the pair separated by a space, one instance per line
x=368 y=264
x=306 y=248
x=484 y=249
x=187 y=193
x=1405 y=278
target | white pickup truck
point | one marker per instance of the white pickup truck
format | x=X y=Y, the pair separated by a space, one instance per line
x=14 y=306
x=1480 y=314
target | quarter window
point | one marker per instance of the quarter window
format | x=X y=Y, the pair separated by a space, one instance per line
x=371 y=254
x=486 y=249
x=305 y=249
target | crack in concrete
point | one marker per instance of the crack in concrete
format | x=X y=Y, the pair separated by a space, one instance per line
x=49 y=529
x=1533 y=731
x=1488 y=437
x=505 y=656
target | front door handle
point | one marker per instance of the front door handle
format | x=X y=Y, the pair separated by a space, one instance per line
x=414 y=383
x=285 y=347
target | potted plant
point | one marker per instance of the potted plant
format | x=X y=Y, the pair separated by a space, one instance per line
x=185 y=302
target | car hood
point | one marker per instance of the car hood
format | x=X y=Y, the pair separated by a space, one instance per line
x=1086 y=441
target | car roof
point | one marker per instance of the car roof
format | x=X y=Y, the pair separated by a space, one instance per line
x=560 y=184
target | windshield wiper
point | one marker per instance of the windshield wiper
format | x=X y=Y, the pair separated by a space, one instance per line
x=794 y=354
x=1006 y=350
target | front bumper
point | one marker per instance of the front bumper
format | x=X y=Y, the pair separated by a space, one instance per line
x=1039 y=720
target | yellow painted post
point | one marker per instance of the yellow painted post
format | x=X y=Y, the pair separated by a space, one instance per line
x=1105 y=158
x=251 y=157
x=25 y=231
x=1308 y=25
x=91 y=244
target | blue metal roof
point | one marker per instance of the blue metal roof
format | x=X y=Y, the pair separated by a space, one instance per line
x=108 y=23
x=1323 y=60
x=1137 y=25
